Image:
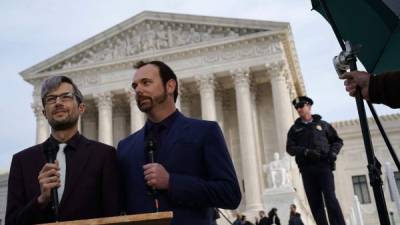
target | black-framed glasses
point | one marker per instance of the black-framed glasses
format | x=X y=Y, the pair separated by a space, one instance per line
x=64 y=97
x=299 y=105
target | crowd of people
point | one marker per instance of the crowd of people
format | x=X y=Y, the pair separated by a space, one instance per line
x=271 y=218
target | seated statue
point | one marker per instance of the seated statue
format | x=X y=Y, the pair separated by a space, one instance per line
x=277 y=171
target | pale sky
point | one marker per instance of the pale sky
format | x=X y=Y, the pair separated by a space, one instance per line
x=32 y=31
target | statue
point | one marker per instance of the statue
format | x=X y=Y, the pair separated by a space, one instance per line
x=162 y=38
x=134 y=43
x=278 y=172
x=149 y=39
x=194 y=36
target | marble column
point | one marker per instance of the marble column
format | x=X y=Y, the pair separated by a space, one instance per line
x=206 y=86
x=137 y=116
x=104 y=105
x=42 y=126
x=247 y=141
x=281 y=101
x=184 y=100
x=178 y=99
x=219 y=102
x=253 y=93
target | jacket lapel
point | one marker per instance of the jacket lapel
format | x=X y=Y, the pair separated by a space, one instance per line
x=177 y=129
x=138 y=147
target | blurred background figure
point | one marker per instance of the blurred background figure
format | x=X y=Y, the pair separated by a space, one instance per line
x=294 y=217
x=273 y=218
x=263 y=219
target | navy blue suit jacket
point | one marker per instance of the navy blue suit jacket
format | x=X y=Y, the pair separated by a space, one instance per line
x=201 y=171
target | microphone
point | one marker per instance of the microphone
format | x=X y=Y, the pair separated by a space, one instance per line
x=150 y=148
x=50 y=151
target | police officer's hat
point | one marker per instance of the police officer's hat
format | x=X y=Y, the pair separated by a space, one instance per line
x=302 y=100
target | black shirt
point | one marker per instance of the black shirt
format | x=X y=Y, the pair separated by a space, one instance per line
x=160 y=130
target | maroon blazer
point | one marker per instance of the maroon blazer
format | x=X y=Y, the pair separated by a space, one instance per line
x=91 y=185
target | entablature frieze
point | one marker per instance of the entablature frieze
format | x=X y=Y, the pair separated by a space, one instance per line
x=150 y=36
x=266 y=44
x=188 y=63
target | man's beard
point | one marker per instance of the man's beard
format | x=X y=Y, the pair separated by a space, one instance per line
x=65 y=124
x=147 y=107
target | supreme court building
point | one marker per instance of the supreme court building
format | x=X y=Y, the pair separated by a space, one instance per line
x=241 y=73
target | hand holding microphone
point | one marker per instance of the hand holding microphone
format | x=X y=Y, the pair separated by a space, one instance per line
x=156 y=176
x=49 y=177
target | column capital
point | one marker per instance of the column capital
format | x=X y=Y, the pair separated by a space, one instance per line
x=131 y=95
x=291 y=88
x=241 y=76
x=37 y=108
x=277 y=69
x=103 y=100
x=205 y=82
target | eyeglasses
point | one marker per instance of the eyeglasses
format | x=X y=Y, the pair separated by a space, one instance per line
x=64 y=97
x=300 y=105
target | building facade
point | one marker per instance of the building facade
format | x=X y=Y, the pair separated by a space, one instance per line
x=352 y=177
x=241 y=73
x=3 y=196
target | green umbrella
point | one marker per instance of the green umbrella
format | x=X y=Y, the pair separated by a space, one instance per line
x=372 y=23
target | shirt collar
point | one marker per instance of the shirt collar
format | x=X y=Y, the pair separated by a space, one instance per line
x=307 y=122
x=166 y=123
x=74 y=141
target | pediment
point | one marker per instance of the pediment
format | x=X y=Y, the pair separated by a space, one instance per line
x=151 y=32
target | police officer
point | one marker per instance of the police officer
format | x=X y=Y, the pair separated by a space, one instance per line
x=315 y=144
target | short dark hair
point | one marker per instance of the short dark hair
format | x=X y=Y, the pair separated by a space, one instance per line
x=54 y=82
x=272 y=212
x=166 y=73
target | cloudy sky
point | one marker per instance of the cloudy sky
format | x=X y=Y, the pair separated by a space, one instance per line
x=32 y=31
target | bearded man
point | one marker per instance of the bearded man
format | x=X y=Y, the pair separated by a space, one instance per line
x=174 y=163
x=84 y=173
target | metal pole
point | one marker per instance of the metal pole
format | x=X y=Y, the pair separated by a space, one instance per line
x=374 y=167
x=226 y=218
x=385 y=137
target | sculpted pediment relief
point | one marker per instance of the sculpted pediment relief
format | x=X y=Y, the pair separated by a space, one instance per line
x=150 y=36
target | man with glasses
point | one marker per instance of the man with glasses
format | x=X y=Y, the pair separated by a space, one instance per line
x=84 y=173
x=315 y=145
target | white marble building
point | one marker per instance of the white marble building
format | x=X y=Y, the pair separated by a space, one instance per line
x=3 y=196
x=352 y=174
x=241 y=73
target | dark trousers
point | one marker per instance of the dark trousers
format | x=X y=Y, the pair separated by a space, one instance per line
x=319 y=185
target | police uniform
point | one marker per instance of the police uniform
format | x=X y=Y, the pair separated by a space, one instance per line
x=315 y=145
